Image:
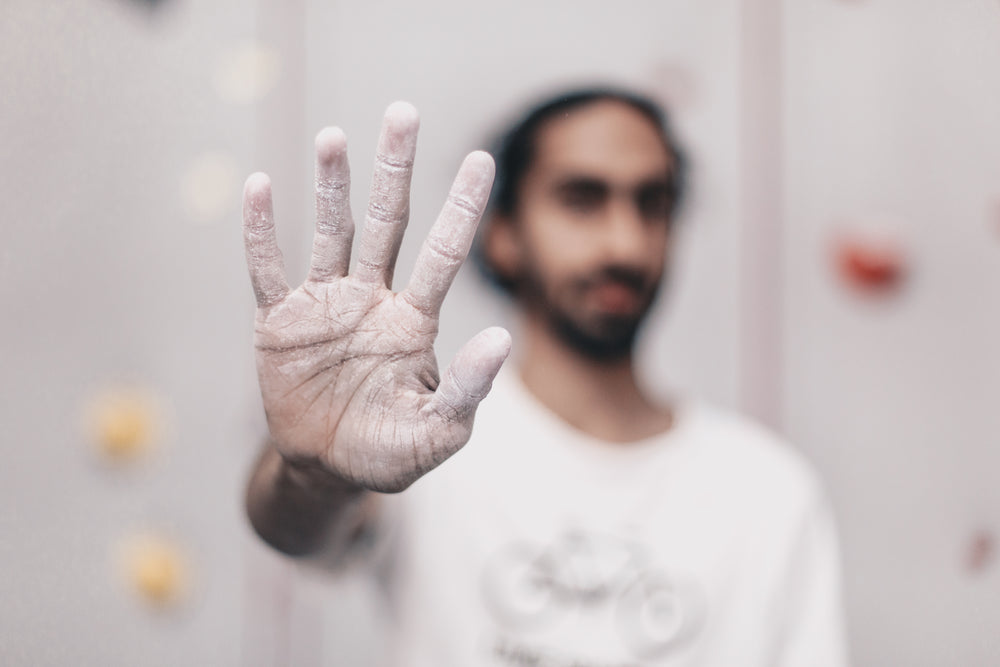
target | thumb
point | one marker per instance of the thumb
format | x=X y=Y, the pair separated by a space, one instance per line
x=470 y=375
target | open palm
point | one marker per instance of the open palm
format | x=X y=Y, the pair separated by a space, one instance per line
x=346 y=366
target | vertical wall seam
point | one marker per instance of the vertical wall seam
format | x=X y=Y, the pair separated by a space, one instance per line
x=761 y=197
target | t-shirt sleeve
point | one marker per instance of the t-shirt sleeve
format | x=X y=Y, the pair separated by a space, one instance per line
x=813 y=633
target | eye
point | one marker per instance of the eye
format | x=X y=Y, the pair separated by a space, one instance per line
x=583 y=196
x=655 y=202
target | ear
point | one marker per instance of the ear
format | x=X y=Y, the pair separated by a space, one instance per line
x=503 y=247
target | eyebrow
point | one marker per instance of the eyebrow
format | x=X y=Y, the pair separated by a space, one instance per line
x=585 y=182
x=582 y=183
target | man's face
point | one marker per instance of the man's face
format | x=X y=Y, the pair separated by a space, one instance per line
x=589 y=239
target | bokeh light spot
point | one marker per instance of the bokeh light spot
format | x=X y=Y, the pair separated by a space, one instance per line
x=246 y=73
x=210 y=187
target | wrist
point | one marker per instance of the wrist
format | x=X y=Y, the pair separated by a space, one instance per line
x=313 y=479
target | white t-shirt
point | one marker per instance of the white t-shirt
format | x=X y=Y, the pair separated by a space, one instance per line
x=711 y=544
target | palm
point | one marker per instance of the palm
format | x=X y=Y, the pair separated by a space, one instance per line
x=341 y=370
x=346 y=366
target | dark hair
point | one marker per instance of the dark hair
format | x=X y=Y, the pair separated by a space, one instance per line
x=514 y=152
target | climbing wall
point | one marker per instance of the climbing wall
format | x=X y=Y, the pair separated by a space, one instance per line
x=836 y=275
x=892 y=310
x=127 y=128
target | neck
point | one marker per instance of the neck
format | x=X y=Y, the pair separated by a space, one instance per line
x=598 y=397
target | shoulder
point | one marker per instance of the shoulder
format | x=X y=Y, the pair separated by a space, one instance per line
x=508 y=410
x=505 y=394
x=751 y=462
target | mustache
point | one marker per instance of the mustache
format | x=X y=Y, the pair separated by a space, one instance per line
x=636 y=280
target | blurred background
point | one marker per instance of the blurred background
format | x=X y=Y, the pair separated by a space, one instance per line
x=837 y=275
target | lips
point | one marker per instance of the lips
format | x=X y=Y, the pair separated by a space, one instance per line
x=616 y=297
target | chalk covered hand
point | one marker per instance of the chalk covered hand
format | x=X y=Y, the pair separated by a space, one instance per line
x=346 y=366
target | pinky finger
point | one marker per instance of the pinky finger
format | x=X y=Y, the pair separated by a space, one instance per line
x=267 y=269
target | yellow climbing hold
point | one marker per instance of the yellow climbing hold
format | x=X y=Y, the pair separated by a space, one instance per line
x=124 y=422
x=155 y=568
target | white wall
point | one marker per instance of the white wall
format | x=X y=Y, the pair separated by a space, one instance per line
x=106 y=279
x=891 y=113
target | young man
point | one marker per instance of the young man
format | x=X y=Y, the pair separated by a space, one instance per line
x=586 y=523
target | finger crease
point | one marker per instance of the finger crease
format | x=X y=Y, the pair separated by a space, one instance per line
x=418 y=305
x=393 y=163
x=386 y=214
x=464 y=204
x=442 y=248
x=332 y=228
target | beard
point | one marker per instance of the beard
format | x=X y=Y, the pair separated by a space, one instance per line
x=596 y=333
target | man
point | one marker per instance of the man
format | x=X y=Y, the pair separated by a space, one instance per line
x=587 y=523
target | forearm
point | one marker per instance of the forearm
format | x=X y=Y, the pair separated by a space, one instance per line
x=301 y=511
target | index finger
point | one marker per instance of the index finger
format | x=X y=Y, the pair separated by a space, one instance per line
x=448 y=243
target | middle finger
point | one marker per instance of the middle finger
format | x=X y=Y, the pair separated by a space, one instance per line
x=389 y=200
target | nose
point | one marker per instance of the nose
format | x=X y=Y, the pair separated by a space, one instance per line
x=627 y=234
